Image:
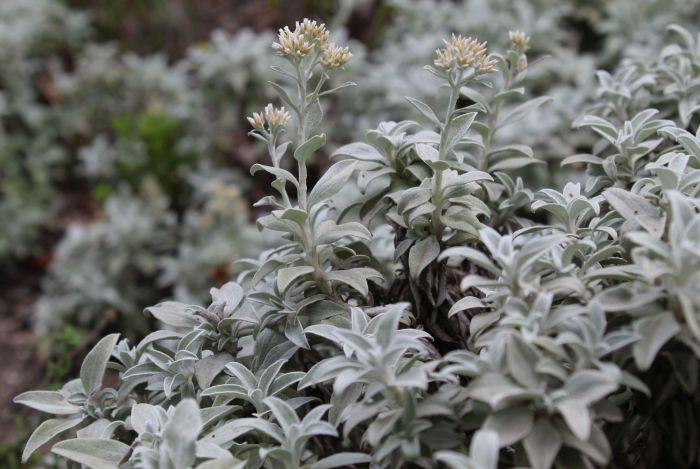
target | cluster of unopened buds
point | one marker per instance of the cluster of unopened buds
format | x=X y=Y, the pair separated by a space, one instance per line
x=465 y=52
x=306 y=36
x=520 y=40
x=309 y=36
x=272 y=116
x=521 y=43
x=335 y=56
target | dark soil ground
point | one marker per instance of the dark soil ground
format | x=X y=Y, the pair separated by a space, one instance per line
x=21 y=368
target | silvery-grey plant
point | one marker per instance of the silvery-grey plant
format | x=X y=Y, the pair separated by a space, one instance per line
x=32 y=34
x=561 y=333
x=140 y=238
x=100 y=267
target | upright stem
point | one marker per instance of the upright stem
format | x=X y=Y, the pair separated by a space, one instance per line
x=437 y=192
x=303 y=76
x=454 y=96
x=493 y=120
x=302 y=186
x=302 y=105
x=301 y=97
x=312 y=255
x=271 y=149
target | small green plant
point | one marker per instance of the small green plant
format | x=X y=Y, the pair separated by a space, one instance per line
x=64 y=344
x=150 y=146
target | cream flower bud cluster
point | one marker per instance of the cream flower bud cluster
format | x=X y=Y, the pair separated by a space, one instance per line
x=465 y=52
x=316 y=32
x=306 y=36
x=335 y=56
x=274 y=117
x=519 y=39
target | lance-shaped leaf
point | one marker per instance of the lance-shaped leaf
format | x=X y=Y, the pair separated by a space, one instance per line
x=483 y=450
x=422 y=254
x=468 y=302
x=577 y=417
x=306 y=149
x=180 y=433
x=287 y=276
x=284 y=414
x=359 y=151
x=329 y=232
x=295 y=333
x=174 y=313
x=277 y=172
x=511 y=424
x=342 y=460
x=473 y=256
x=425 y=110
x=47 y=430
x=456 y=129
x=637 y=208
x=93 y=369
x=355 y=278
x=52 y=402
x=95 y=453
x=590 y=385
x=332 y=181
x=235 y=428
x=654 y=331
x=542 y=444
x=209 y=368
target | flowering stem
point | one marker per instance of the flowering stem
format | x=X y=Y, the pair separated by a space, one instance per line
x=301 y=98
x=301 y=115
x=437 y=190
x=454 y=96
x=493 y=120
x=271 y=150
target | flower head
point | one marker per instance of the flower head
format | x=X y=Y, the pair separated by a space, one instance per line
x=306 y=36
x=486 y=64
x=290 y=43
x=276 y=116
x=257 y=120
x=464 y=52
x=314 y=32
x=335 y=56
x=272 y=116
x=519 y=40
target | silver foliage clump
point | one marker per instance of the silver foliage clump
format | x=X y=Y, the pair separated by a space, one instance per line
x=114 y=266
x=32 y=32
x=518 y=327
x=102 y=266
x=99 y=105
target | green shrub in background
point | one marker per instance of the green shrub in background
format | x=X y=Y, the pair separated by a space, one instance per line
x=517 y=327
x=150 y=149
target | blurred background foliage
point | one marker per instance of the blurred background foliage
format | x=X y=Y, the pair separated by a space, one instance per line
x=124 y=148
